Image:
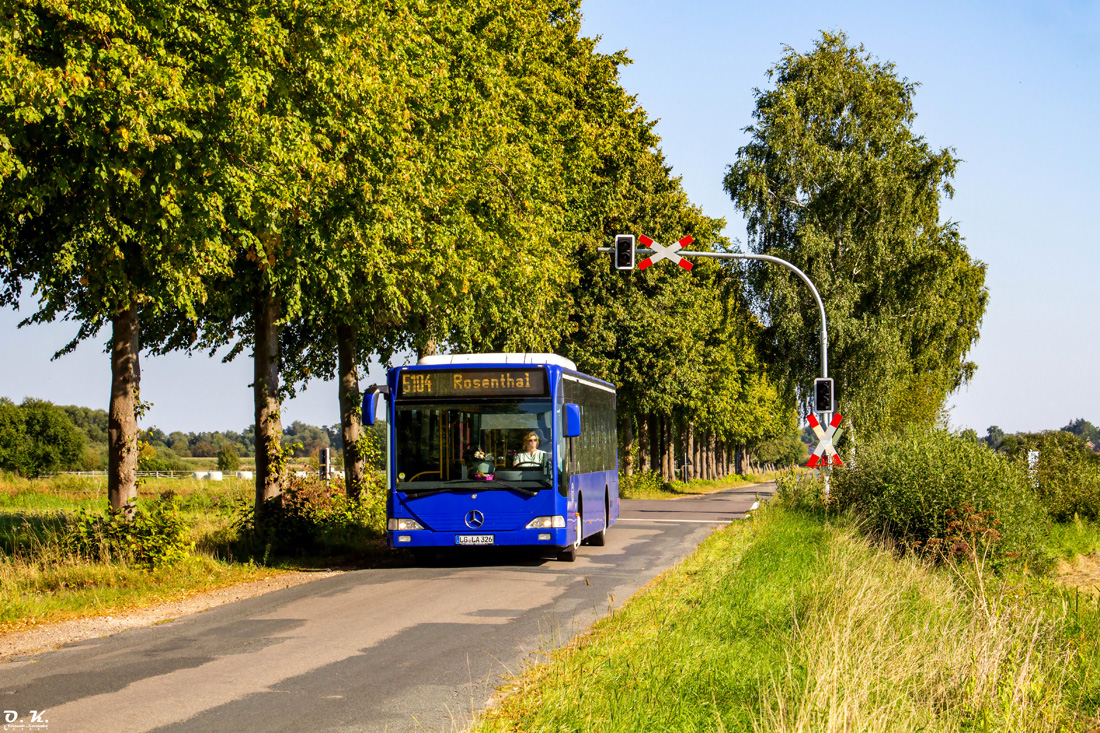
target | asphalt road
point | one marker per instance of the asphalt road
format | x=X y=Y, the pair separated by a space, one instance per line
x=392 y=649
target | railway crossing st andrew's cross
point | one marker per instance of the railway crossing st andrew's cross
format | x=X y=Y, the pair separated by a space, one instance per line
x=665 y=253
x=825 y=440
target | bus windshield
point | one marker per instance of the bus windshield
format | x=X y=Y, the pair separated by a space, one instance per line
x=473 y=445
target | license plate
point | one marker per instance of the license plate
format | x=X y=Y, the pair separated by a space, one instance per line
x=474 y=539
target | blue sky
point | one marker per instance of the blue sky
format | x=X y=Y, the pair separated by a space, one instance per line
x=1011 y=87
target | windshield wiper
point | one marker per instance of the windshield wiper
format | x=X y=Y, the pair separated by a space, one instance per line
x=425 y=492
x=467 y=484
x=513 y=487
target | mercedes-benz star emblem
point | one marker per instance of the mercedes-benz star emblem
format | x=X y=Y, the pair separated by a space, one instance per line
x=474 y=519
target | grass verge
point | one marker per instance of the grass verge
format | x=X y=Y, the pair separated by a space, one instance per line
x=1068 y=540
x=792 y=622
x=44 y=577
x=37 y=591
x=649 y=486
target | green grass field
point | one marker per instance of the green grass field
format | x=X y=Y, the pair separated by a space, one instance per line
x=41 y=580
x=794 y=622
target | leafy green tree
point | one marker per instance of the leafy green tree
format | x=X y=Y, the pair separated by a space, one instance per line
x=151 y=458
x=111 y=192
x=306 y=438
x=179 y=444
x=695 y=331
x=782 y=452
x=12 y=435
x=203 y=449
x=994 y=437
x=38 y=438
x=1084 y=429
x=834 y=180
x=454 y=252
x=228 y=460
x=94 y=423
x=317 y=85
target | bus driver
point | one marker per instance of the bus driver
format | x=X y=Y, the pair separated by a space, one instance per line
x=531 y=456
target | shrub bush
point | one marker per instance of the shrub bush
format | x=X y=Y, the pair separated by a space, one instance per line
x=800 y=492
x=151 y=458
x=641 y=483
x=38 y=438
x=156 y=535
x=782 y=452
x=1067 y=477
x=907 y=484
x=228 y=460
x=311 y=516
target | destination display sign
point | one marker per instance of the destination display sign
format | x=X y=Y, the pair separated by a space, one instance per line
x=529 y=382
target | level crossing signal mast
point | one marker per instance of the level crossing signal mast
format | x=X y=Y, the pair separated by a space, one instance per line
x=624 y=252
x=823 y=395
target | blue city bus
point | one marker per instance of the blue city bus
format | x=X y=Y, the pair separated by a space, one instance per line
x=459 y=474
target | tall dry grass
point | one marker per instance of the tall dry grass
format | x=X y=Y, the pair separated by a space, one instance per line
x=42 y=579
x=888 y=644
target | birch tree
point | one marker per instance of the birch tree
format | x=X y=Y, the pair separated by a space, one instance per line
x=835 y=180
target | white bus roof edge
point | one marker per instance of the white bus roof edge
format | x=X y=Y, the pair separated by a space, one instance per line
x=497 y=358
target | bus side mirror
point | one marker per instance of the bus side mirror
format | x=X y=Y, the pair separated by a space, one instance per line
x=372 y=399
x=572 y=420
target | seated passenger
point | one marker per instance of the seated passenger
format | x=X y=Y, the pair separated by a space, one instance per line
x=531 y=455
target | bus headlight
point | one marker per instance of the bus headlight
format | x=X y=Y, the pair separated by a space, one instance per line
x=555 y=522
x=401 y=524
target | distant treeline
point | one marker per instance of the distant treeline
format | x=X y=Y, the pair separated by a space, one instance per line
x=38 y=437
x=1077 y=435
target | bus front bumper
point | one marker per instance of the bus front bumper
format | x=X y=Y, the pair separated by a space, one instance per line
x=472 y=538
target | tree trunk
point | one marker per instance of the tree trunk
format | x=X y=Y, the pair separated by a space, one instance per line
x=670 y=429
x=704 y=472
x=657 y=444
x=701 y=450
x=122 y=427
x=667 y=471
x=265 y=389
x=689 y=451
x=626 y=458
x=679 y=455
x=350 y=408
x=661 y=455
x=712 y=450
x=677 y=431
x=431 y=348
x=643 y=442
x=666 y=451
x=696 y=444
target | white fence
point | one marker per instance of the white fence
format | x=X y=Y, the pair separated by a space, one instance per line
x=204 y=475
x=198 y=475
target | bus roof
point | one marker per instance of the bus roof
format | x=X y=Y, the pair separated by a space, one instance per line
x=497 y=358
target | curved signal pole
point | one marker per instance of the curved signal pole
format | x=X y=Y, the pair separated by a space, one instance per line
x=796 y=271
x=676 y=251
x=665 y=253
